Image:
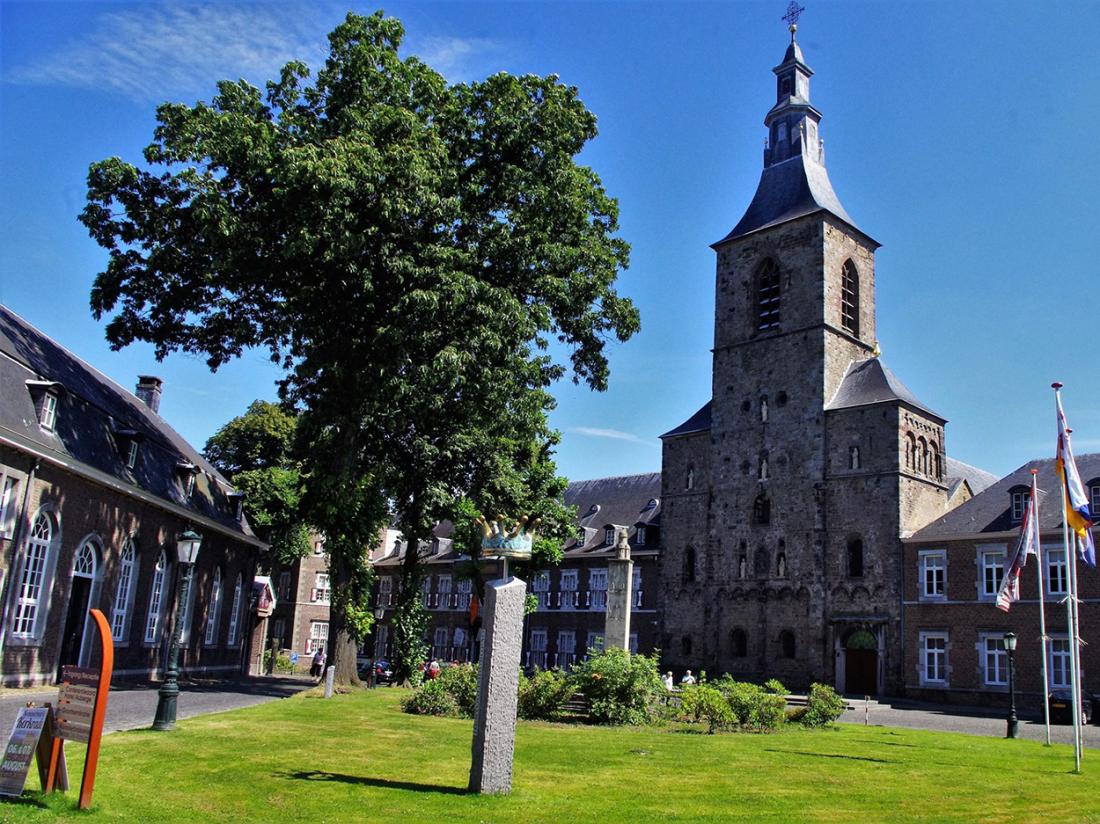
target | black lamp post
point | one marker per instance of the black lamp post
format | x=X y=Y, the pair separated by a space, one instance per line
x=1013 y=724
x=187 y=550
x=379 y=614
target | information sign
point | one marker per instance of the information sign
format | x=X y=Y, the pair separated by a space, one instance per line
x=76 y=702
x=20 y=750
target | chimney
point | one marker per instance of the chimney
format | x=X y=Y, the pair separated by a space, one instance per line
x=148 y=391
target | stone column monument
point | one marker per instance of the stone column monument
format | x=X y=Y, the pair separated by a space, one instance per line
x=498 y=673
x=620 y=577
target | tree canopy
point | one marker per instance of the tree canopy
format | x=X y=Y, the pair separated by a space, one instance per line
x=406 y=248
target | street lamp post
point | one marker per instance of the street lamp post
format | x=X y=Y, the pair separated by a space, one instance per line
x=1013 y=723
x=379 y=614
x=187 y=550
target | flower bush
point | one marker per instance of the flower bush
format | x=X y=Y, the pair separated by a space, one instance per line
x=620 y=688
x=543 y=696
x=823 y=706
x=702 y=702
x=430 y=699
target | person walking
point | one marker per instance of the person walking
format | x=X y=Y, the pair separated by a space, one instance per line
x=318 y=667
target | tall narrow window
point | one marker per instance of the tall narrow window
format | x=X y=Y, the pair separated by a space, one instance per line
x=786 y=643
x=855 y=558
x=910 y=451
x=49 y=411
x=761 y=510
x=32 y=577
x=689 y=565
x=235 y=612
x=121 y=611
x=767 y=296
x=849 y=298
x=156 y=594
x=740 y=643
x=214 y=609
x=7 y=508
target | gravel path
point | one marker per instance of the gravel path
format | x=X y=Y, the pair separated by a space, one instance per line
x=132 y=706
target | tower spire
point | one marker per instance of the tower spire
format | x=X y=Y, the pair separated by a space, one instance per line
x=794 y=11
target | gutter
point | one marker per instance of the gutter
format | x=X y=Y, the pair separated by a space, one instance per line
x=100 y=478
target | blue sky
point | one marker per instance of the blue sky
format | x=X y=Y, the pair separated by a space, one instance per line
x=961 y=136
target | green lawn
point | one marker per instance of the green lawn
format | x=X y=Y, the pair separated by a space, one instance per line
x=358 y=758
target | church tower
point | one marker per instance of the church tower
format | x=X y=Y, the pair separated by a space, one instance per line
x=786 y=495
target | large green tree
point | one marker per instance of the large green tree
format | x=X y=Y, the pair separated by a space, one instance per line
x=408 y=250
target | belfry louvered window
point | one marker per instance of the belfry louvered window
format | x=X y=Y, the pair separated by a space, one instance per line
x=767 y=296
x=849 y=298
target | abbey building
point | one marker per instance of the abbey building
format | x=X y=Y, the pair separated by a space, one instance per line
x=785 y=496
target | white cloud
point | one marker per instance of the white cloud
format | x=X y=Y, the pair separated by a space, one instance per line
x=453 y=57
x=614 y=434
x=152 y=53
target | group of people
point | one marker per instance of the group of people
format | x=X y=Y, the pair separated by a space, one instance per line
x=687 y=680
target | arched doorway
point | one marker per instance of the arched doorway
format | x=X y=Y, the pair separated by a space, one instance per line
x=85 y=567
x=861 y=663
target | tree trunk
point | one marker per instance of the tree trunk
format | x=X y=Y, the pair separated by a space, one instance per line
x=342 y=646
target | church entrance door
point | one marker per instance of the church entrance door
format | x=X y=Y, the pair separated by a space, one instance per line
x=861 y=664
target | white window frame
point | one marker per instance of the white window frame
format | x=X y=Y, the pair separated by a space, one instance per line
x=991 y=571
x=441 y=643
x=609 y=536
x=381 y=638
x=131 y=453
x=49 y=411
x=426 y=591
x=322 y=591
x=318 y=637
x=941 y=652
x=33 y=589
x=1059 y=663
x=1019 y=504
x=991 y=650
x=1094 y=501
x=540 y=588
x=188 y=608
x=1054 y=558
x=569 y=594
x=443 y=588
x=153 y=614
x=567 y=648
x=597 y=589
x=214 y=608
x=594 y=641
x=235 y=612
x=385 y=591
x=536 y=650
x=929 y=560
x=465 y=593
x=8 y=497
x=284 y=585
x=636 y=587
x=639 y=536
x=124 y=594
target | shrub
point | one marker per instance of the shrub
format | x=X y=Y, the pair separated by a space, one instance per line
x=704 y=702
x=823 y=706
x=430 y=699
x=775 y=687
x=752 y=706
x=620 y=688
x=543 y=696
x=460 y=682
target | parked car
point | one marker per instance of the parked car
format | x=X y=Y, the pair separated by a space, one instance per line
x=1061 y=707
x=382 y=671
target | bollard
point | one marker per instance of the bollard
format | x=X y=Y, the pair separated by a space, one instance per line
x=330 y=674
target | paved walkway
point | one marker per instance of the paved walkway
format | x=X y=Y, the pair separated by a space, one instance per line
x=889 y=712
x=132 y=706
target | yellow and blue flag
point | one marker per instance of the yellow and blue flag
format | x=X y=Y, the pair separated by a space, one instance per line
x=1077 y=503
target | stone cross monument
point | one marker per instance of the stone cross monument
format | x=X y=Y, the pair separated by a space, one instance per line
x=498 y=670
x=620 y=577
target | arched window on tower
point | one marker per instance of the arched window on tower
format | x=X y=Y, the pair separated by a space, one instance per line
x=855 y=558
x=786 y=643
x=767 y=296
x=923 y=464
x=761 y=510
x=910 y=451
x=849 y=297
x=935 y=462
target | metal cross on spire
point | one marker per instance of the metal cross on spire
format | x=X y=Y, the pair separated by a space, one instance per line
x=794 y=11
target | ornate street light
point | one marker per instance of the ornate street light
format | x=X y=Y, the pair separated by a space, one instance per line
x=187 y=553
x=1013 y=723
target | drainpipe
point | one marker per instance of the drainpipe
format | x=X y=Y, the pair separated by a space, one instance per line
x=16 y=538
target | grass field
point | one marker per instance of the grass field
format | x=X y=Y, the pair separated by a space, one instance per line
x=358 y=758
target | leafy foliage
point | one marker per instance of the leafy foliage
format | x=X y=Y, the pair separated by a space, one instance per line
x=775 y=687
x=433 y=698
x=702 y=702
x=543 y=696
x=261 y=438
x=620 y=688
x=823 y=706
x=752 y=706
x=406 y=249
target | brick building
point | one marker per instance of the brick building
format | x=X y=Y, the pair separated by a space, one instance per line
x=572 y=597
x=95 y=488
x=954 y=633
x=299 y=622
x=786 y=495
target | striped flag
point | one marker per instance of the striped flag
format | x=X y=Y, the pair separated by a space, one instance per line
x=1028 y=544
x=1077 y=502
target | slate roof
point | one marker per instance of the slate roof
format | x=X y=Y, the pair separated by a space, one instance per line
x=870 y=381
x=699 y=422
x=93 y=414
x=623 y=501
x=990 y=511
x=978 y=479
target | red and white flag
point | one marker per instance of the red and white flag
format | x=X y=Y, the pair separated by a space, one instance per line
x=1028 y=544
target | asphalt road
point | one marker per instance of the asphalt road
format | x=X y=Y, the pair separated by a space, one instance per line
x=133 y=705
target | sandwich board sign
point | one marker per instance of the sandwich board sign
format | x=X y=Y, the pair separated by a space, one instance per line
x=21 y=749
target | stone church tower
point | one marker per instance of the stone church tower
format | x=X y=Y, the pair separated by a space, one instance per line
x=785 y=496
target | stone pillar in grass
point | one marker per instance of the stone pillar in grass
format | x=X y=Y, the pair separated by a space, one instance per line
x=498 y=668
x=620 y=577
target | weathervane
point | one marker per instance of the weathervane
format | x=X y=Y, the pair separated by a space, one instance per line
x=794 y=11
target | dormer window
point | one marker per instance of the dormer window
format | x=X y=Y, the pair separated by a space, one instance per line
x=639 y=536
x=187 y=472
x=44 y=394
x=1094 y=497
x=609 y=536
x=236 y=500
x=131 y=455
x=49 y=411
x=1020 y=497
x=127 y=441
x=582 y=536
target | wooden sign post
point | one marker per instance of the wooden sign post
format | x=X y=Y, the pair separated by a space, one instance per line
x=82 y=706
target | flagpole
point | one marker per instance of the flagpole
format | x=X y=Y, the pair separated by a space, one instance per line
x=1042 y=602
x=1071 y=597
x=1077 y=651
